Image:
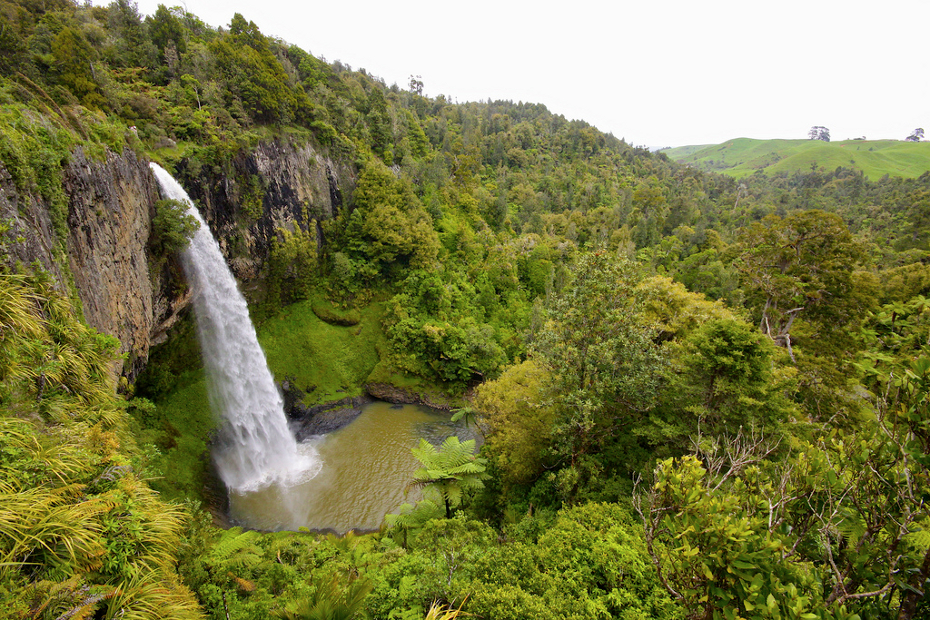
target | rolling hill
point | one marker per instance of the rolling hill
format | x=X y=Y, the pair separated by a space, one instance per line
x=745 y=156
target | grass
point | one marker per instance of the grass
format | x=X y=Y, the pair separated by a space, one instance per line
x=186 y=424
x=330 y=313
x=744 y=156
x=327 y=361
x=678 y=152
x=181 y=426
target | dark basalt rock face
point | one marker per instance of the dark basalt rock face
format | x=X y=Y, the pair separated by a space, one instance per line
x=306 y=421
x=106 y=258
x=276 y=185
x=110 y=209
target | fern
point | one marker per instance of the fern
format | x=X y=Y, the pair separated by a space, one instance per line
x=72 y=599
x=234 y=551
x=920 y=536
x=451 y=470
x=410 y=518
x=851 y=527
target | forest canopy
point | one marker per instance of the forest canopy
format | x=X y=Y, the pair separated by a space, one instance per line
x=699 y=397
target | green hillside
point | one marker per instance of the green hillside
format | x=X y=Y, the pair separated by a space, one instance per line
x=744 y=156
x=700 y=396
x=680 y=152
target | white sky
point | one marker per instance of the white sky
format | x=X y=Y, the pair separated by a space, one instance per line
x=656 y=72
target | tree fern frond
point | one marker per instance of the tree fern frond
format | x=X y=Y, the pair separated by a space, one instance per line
x=71 y=599
x=919 y=537
x=453 y=493
x=471 y=467
x=425 y=452
x=234 y=550
x=851 y=527
x=412 y=517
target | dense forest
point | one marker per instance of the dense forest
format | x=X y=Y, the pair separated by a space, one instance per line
x=700 y=397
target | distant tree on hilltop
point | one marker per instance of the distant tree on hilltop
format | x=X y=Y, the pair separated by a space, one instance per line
x=818 y=132
x=916 y=136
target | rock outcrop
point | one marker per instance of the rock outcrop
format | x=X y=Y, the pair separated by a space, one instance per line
x=110 y=208
x=276 y=185
x=401 y=396
x=110 y=205
x=306 y=422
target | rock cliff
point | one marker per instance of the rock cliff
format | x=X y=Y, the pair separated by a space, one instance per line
x=29 y=237
x=110 y=205
x=278 y=184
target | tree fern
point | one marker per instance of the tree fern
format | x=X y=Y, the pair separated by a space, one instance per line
x=919 y=536
x=410 y=518
x=452 y=470
x=234 y=551
x=851 y=527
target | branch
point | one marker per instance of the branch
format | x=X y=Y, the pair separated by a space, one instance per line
x=650 y=530
x=858 y=595
x=738 y=453
x=790 y=350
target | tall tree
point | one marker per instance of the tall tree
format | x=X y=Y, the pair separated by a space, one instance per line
x=253 y=74
x=166 y=29
x=601 y=354
x=800 y=266
x=819 y=132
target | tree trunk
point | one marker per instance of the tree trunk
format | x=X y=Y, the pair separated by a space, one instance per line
x=909 y=605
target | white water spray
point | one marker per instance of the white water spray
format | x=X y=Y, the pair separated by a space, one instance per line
x=255 y=447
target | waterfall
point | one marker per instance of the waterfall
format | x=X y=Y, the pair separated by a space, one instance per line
x=255 y=448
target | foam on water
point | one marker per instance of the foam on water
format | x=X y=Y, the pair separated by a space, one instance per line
x=254 y=448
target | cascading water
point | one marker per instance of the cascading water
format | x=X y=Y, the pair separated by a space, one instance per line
x=255 y=448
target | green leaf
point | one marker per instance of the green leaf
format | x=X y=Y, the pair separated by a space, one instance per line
x=707 y=571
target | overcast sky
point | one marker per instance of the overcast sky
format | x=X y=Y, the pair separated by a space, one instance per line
x=666 y=73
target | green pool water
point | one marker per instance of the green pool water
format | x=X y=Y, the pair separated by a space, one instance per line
x=366 y=469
